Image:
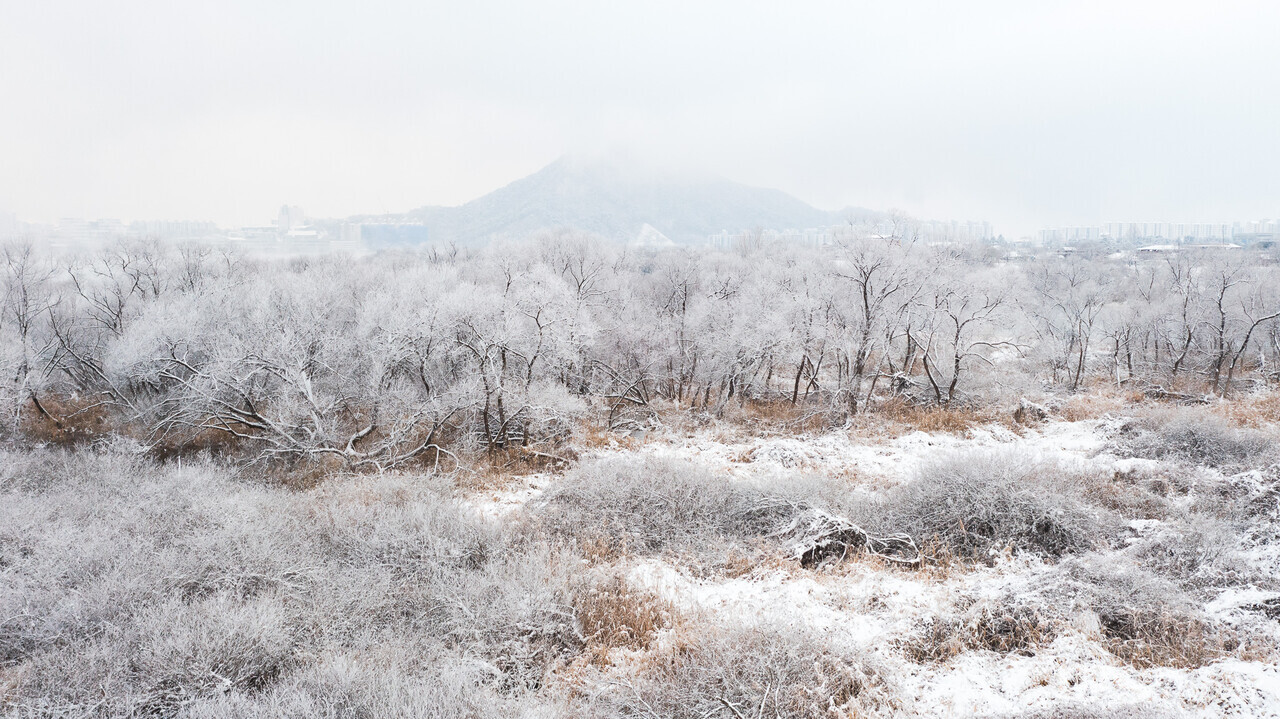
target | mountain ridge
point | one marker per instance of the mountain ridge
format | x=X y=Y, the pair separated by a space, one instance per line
x=618 y=201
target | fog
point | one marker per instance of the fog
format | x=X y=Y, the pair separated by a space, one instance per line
x=1026 y=114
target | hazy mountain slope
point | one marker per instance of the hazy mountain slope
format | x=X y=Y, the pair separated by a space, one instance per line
x=617 y=201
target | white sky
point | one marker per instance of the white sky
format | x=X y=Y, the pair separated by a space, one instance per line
x=1026 y=113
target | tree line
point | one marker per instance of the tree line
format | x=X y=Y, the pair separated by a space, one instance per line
x=400 y=357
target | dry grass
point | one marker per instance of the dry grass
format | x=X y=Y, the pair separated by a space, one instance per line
x=1135 y=494
x=69 y=422
x=1142 y=619
x=762 y=416
x=1004 y=626
x=303 y=474
x=952 y=420
x=752 y=670
x=1099 y=402
x=499 y=468
x=1259 y=410
x=598 y=436
x=613 y=613
x=1171 y=638
x=601 y=549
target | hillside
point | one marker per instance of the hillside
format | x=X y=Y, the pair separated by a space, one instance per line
x=617 y=201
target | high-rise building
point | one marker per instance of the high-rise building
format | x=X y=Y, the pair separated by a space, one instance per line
x=291 y=218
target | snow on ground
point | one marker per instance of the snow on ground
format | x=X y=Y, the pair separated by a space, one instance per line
x=877 y=607
x=877 y=460
x=884 y=459
x=498 y=503
x=1076 y=671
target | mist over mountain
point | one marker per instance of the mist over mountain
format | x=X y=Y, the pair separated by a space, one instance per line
x=622 y=201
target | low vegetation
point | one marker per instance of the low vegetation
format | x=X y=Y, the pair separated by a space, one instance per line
x=461 y=486
x=974 y=504
x=1198 y=438
x=134 y=589
x=753 y=670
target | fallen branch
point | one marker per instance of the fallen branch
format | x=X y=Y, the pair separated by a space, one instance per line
x=1158 y=392
x=817 y=537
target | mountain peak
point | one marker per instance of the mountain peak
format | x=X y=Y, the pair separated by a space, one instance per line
x=619 y=197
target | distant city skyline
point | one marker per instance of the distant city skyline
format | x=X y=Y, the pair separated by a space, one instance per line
x=1161 y=230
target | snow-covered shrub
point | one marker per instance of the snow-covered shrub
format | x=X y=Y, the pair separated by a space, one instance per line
x=653 y=504
x=970 y=503
x=753 y=670
x=658 y=505
x=1198 y=554
x=347 y=687
x=132 y=588
x=1142 y=619
x=1196 y=437
x=1004 y=624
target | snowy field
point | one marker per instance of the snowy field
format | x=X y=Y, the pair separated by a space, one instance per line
x=873 y=605
x=1114 y=567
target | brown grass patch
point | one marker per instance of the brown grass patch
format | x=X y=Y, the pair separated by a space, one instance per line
x=1133 y=494
x=602 y=549
x=759 y=557
x=953 y=420
x=613 y=613
x=779 y=415
x=496 y=467
x=992 y=626
x=1096 y=403
x=1255 y=411
x=304 y=474
x=65 y=421
x=1169 y=638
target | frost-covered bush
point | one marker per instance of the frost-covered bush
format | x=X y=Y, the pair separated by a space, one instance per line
x=1197 y=438
x=1198 y=554
x=653 y=504
x=130 y=588
x=1142 y=619
x=345 y=687
x=1004 y=624
x=657 y=505
x=752 y=670
x=970 y=503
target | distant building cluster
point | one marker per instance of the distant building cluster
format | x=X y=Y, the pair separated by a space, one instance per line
x=1169 y=230
x=946 y=230
x=931 y=231
x=1066 y=235
x=1177 y=232
x=291 y=233
x=73 y=231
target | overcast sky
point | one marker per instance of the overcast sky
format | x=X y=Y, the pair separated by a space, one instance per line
x=1024 y=113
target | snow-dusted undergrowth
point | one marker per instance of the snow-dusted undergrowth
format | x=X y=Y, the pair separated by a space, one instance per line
x=1099 y=568
x=1080 y=666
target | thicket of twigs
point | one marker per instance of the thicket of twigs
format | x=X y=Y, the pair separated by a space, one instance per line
x=152 y=562
x=131 y=587
x=408 y=359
